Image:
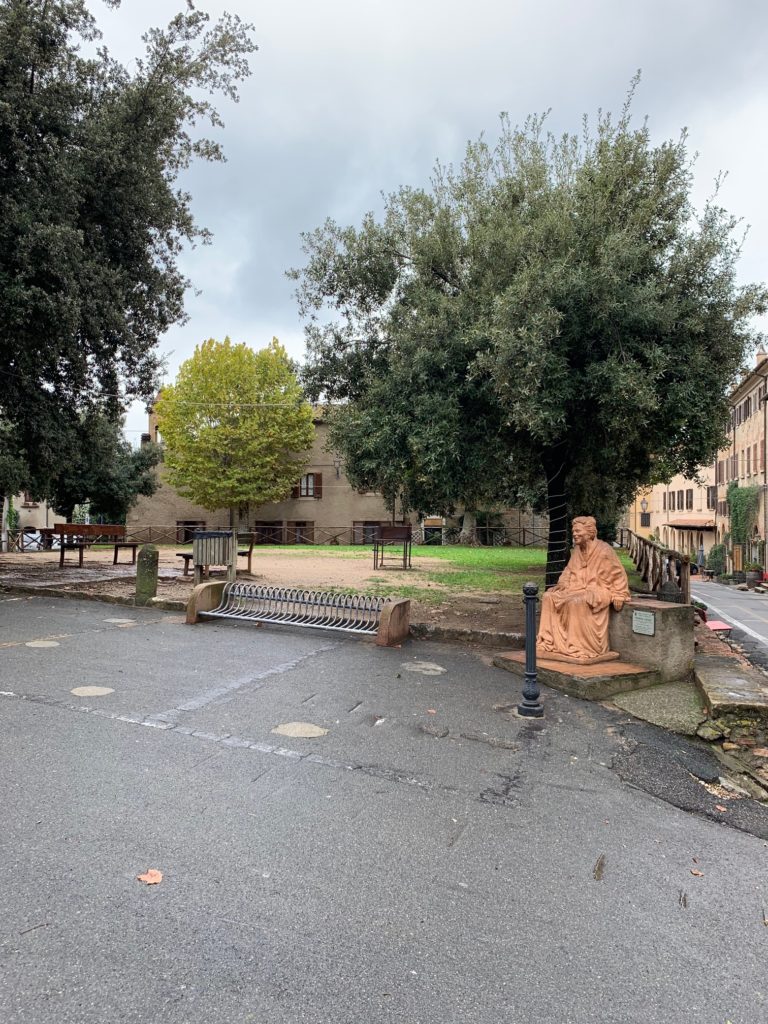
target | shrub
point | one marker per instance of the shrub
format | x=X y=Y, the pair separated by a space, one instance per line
x=716 y=559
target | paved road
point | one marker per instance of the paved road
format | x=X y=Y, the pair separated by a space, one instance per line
x=506 y=871
x=746 y=611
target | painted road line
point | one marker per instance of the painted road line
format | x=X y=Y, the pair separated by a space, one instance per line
x=735 y=622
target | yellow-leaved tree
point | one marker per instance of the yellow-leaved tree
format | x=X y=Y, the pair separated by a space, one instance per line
x=235 y=426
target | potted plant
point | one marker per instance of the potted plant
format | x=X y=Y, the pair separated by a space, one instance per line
x=754 y=574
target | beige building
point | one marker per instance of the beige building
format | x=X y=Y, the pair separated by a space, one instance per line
x=744 y=463
x=323 y=507
x=688 y=514
x=682 y=513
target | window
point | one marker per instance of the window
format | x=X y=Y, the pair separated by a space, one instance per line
x=749 y=462
x=29 y=501
x=301 y=532
x=664 y=502
x=754 y=457
x=310 y=486
x=671 y=501
x=689 y=499
x=365 y=532
x=268 y=532
x=645 y=518
x=712 y=497
x=680 y=499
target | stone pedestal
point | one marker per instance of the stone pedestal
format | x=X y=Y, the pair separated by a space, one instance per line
x=660 y=637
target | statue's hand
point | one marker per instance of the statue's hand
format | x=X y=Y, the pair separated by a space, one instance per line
x=618 y=604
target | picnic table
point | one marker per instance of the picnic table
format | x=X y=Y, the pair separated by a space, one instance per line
x=82 y=536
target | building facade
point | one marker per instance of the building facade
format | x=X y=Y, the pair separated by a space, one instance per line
x=688 y=515
x=323 y=507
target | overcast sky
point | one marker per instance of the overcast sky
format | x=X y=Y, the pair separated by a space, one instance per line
x=351 y=98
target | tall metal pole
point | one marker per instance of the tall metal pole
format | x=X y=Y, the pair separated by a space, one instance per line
x=531 y=706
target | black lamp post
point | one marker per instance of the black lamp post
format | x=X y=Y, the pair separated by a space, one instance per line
x=531 y=706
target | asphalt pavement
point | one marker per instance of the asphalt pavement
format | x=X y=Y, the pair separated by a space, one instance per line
x=428 y=859
x=744 y=610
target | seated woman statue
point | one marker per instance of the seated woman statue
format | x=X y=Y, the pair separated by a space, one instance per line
x=574 y=613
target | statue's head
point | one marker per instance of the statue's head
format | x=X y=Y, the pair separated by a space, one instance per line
x=585 y=525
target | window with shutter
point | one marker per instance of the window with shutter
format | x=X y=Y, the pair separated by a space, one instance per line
x=664 y=502
x=689 y=499
x=318 y=485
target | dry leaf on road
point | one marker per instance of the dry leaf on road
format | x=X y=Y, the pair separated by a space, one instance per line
x=697 y=873
x=152 y=877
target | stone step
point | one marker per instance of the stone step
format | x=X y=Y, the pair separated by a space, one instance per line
x=590 y=682
x=731 y=689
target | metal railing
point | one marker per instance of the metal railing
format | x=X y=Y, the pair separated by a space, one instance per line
x=491 y=536
x=658 y=565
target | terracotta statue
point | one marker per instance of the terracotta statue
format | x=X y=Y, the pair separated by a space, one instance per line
x=574 y=613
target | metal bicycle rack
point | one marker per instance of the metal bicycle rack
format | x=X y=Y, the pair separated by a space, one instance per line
x=350 y=613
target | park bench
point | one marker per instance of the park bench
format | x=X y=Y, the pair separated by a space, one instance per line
x=81 y=536
x=243 y=539
x=719 y=627
x=385 y=618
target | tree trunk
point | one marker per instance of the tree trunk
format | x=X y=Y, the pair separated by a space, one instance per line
x=468 y=533
x=557 y=506
x=232 y=568
x=3 y=525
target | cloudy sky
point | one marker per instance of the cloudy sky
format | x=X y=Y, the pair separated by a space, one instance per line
x=352 y=98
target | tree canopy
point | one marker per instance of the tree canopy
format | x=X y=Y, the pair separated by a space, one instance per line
x=235 y=427
x=92 y=219
x=109 y=473
x=550 y=323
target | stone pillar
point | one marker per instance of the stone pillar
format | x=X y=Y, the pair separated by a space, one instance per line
x=146 y=574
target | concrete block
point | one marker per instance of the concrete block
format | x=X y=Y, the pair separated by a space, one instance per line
x=394 y=624
x=204 y=598
x=669 y=651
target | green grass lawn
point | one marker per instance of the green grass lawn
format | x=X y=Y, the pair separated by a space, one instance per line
x=488 y=569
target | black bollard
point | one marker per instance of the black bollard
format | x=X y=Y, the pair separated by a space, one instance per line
x=531 y=706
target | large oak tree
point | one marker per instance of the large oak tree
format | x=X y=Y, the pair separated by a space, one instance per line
x=552 y=322
x=92 y=217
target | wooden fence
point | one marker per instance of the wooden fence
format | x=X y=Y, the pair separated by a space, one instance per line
x=658 y=565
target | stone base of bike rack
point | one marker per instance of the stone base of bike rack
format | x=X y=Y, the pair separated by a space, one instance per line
x=386 y=619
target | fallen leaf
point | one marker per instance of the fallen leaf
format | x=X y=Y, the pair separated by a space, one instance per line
x=599 y=869
x=152 y=877
x=719 y=807
x=760 y=751
x=431 y=711
x=695 y=860
x=697 y=873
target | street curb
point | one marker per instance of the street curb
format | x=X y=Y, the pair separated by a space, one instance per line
x=449 y=634
x=418 y=630
x=82 y=595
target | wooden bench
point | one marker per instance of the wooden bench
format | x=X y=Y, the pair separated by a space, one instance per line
x=81 y=536
x=242 y=539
